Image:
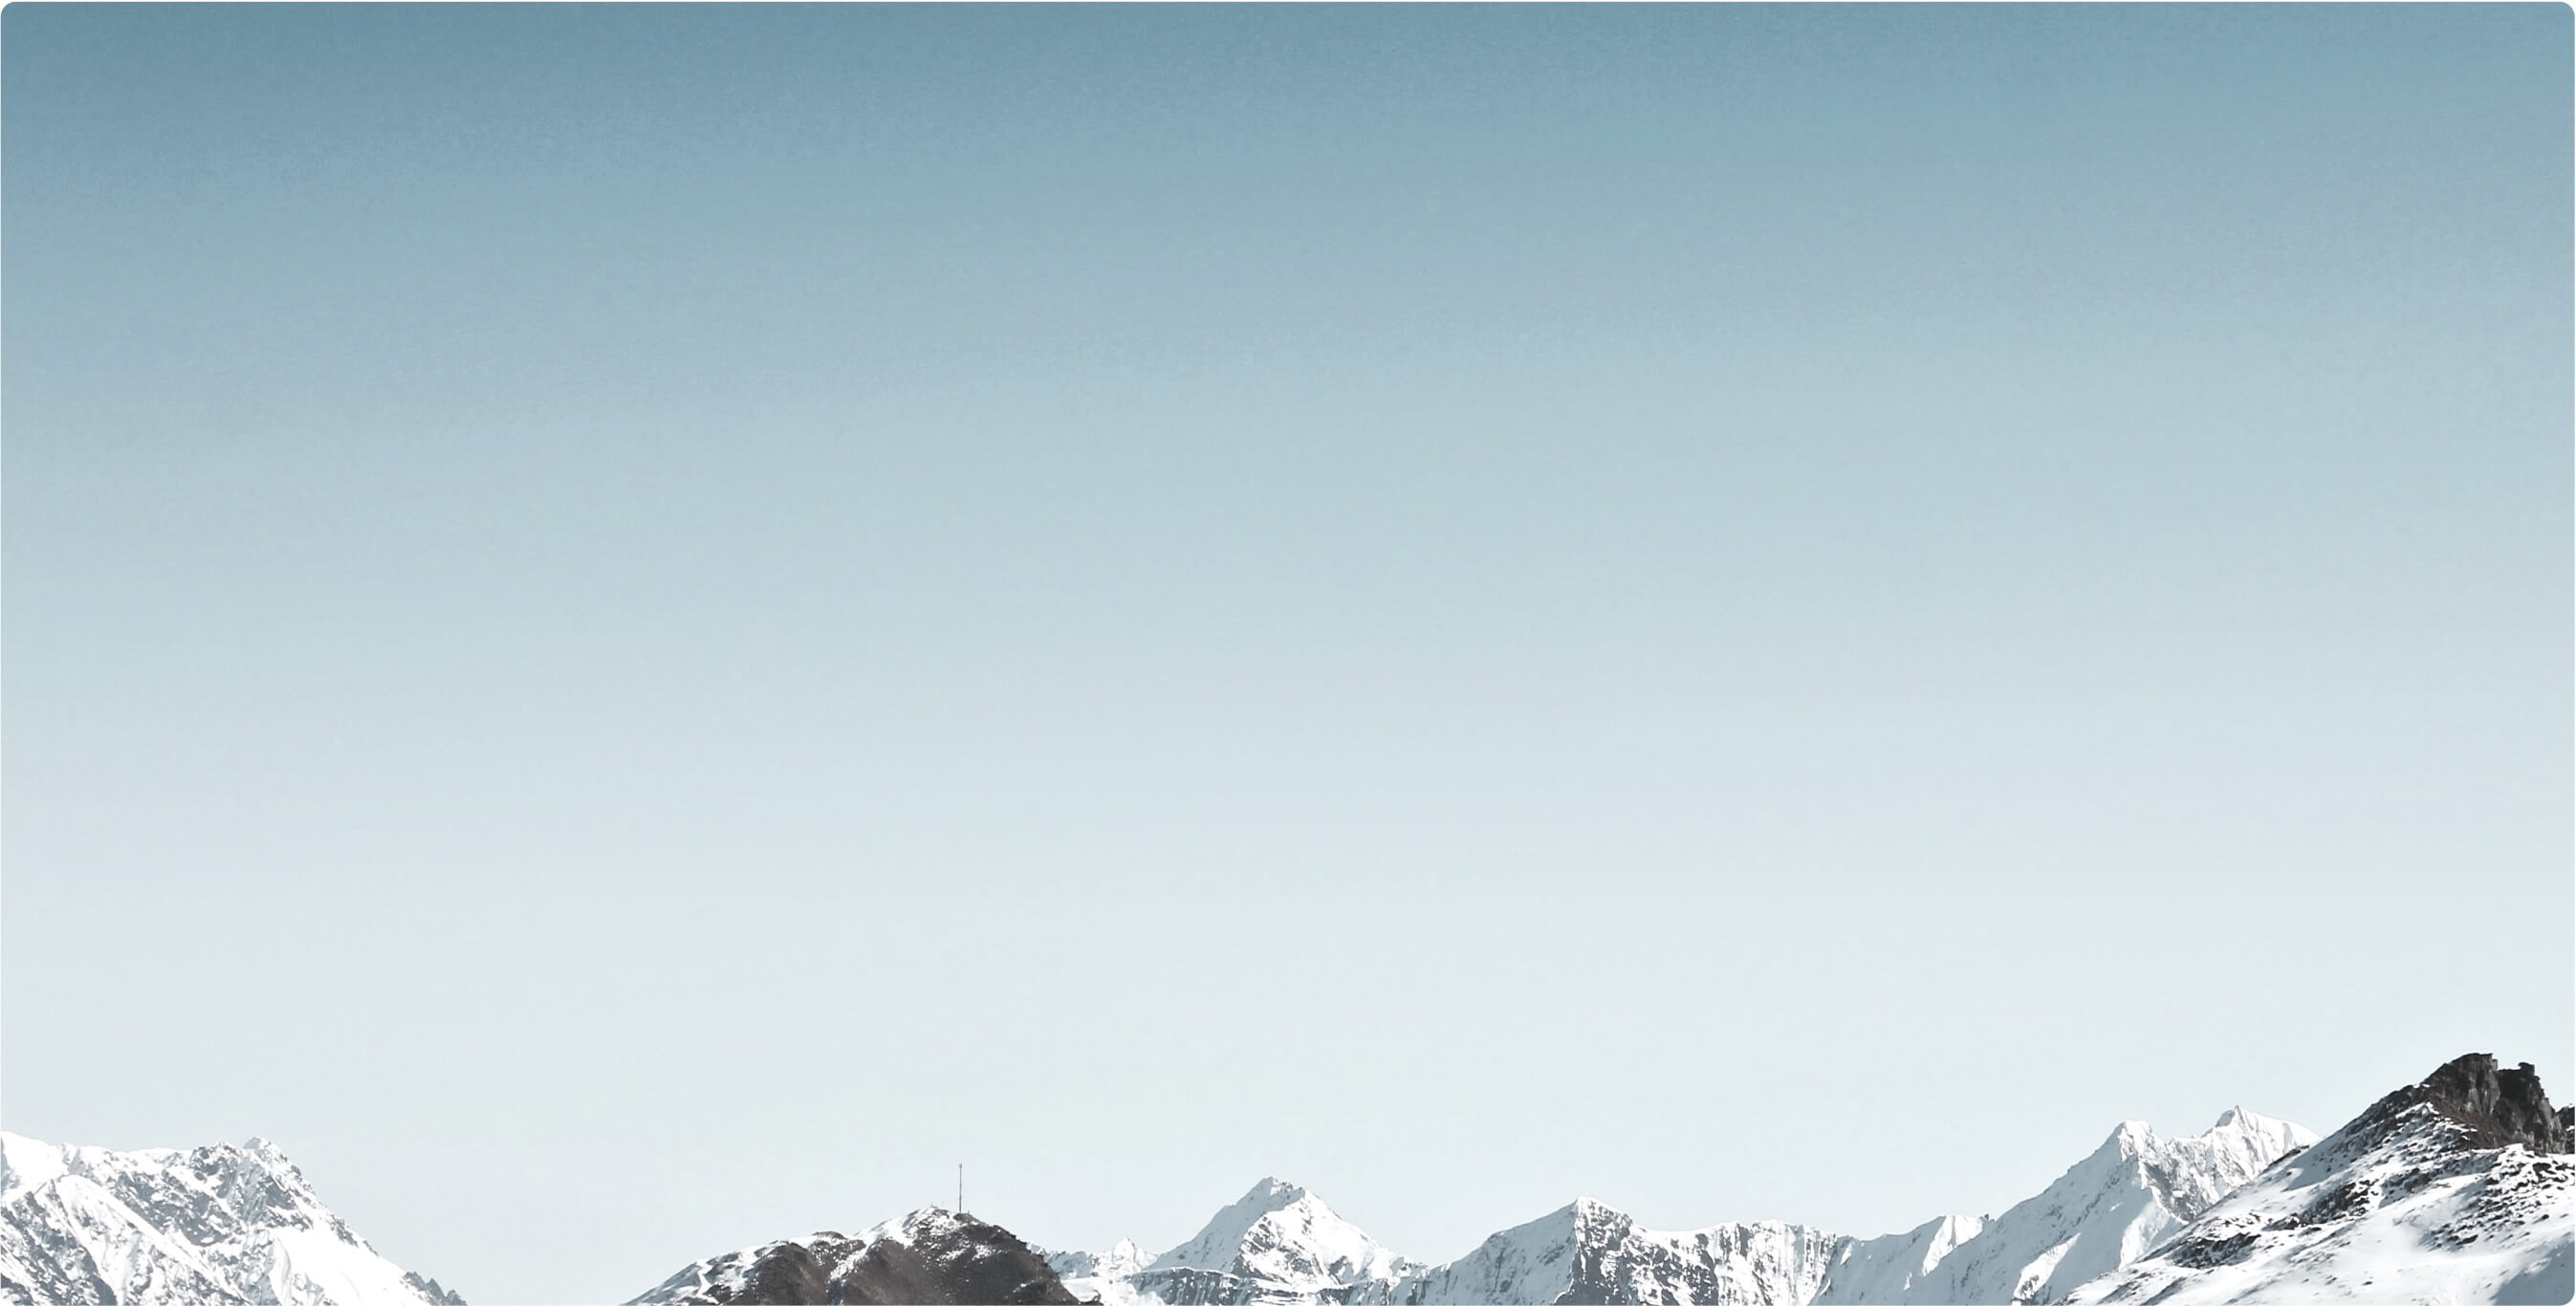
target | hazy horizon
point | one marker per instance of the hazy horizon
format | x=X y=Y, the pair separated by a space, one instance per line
x=634 y=630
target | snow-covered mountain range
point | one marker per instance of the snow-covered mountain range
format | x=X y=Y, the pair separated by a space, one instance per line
x=210 y=1226
x=2456 y=1189
x=2459 y=1188
x=1590 y=1252
x=2131 y=1194
x=1282 y=1246
x=2468 y=1172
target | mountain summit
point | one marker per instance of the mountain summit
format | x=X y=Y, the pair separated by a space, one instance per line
x=1277 y=1243
x=2456 y=1188
x=2114 y=1206
x=2499 y=1108
x=1592 y=1252
x=209 y=1226
x=931 y=1257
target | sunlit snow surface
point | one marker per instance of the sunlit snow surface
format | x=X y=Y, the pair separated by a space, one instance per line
x=2394 y=1207
x=1278 y=1244
x=1103 y=1274
x=1589 y=1252
x=1281 y=1246
x=209 y=1226
x=2114 y=1206
x=1586 y=1251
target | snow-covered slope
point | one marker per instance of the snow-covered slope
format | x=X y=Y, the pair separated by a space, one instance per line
x=211 y=1226
x=1282 y=1246
x=2113 y=1207
x=1278 y=1244
x=1589 y=1252
x=2455 y=1189
x=1102 y=1275
x=1901 y=1267
x=928 y=1257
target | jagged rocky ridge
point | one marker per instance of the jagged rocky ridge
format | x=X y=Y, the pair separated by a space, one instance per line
x=1102 y=1275
x=1281 y=1246
x=1279 y=1243
x=2455 y=1189
x=209 y=1226
x=2478 y=1150
x=2131 y=1194
x=928 y=1258
x=1590 y=1252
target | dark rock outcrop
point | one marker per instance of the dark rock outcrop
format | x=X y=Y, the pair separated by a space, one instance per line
x=928 y=1258
x=2485 y=1108
x=786 y=1275
x=2466 y=1170
x=2499 y=1107
x=978 y=1264
x=430 y=1289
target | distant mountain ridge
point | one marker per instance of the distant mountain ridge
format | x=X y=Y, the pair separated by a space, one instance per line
x=209 y=1226
x=2142 y=1218
x=1591 y=1252
x=2106 y=1211
x=2128 y=1196
x=2459 y=1188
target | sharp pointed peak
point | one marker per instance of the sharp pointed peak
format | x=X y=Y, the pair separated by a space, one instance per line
x=2130 y=1136
x=2241 y=1117
x=1272 y=1193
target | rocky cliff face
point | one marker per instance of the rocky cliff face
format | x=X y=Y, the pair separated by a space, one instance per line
x=2498 y=1108
x=928 y=1258
x=2456 y=1189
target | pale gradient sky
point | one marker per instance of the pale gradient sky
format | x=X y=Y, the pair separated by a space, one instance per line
x=634 y=630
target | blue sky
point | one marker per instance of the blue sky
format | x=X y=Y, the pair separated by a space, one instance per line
x=637 y=629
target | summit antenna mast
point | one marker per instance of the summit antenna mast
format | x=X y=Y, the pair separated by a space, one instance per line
x=961 y=1188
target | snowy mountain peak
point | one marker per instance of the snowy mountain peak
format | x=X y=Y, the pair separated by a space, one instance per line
x=1278 y=1240
x=2441 y=1191
x=1590 y=1251
x=916 y=1226
x=2188 y=1174
x=2113 y=1207
x=219 y=1225
x=1271 y=1193
x=2140 y=1209
x=1088 y=1274
x=2268 y=1135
